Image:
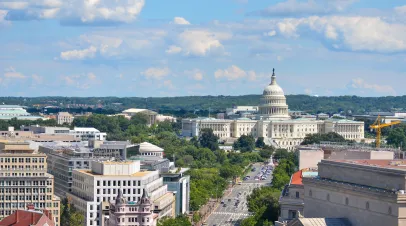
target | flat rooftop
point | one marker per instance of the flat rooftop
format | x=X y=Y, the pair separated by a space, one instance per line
x=137 y=174
x=298 y=176
x=389 y=164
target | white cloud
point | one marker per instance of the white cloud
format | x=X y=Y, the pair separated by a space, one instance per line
x=200 y=42
x=400 y=9
x=91 y=76
x=37 y=78
x=270 y=33
x=231 y=73
x=74 y=11
x=350 y=33
x=168 y=84
x=156 y=73
x=11 y=73
x=196 y=74
x=181 y=21
x=79 y=54
x=173 y=49
x=359 y=83
x=302 y=8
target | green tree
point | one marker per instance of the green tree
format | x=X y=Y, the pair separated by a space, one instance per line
x=317 y=138
x=69 y=215
x=207 y=139
x=245 y=143
x=264 y=203
x=228 y=171
x=265 y=153
x=178 y=221
x=139 y=119
x=397 y=137
x=260 y=142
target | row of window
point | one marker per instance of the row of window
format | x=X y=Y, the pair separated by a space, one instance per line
x=21 y=174
x=119 y=183
x=24 y=190
x=22 y=160
x=25 y=183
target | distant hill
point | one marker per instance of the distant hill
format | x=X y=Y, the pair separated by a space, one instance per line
x=311 y=104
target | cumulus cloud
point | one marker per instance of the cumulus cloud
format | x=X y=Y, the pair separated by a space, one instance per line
x=181 y=21
x=231 y=73
x=74 y=11
x=199 y=42
x=297 y=8
x=173 y=49
x=350 y=33
x=79 y=54
x=270 y=33
x=11 y=73
x=359 y=83
x=156 y=73
x=196 y=74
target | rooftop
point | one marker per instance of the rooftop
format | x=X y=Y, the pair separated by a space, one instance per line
x=27 y=217
x=322 y=222
x=137 y=174
x=298 y=176
x=389 y=164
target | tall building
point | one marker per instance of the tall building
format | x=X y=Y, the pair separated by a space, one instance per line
x=113 y=149
x=64 y=117
x=179 y=183
x=93 y=189
x=366 y=192
x=128 y=213
x=62 y=159
x=274 y=123
x=24 y=180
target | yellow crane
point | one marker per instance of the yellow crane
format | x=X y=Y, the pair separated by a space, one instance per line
x=378 y=125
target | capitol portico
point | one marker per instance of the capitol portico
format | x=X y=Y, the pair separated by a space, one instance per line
x=274 y=123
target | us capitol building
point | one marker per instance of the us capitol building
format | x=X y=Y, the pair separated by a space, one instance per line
x=273 y=122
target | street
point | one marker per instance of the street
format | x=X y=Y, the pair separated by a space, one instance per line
x=231 y=214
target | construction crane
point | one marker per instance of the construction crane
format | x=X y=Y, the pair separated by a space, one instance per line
x=378 y=125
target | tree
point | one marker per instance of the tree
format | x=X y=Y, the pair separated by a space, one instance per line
x=260 y=142
x=69 y=215
x=397 y=138
x=178 y=221
x=265 y=153
x=139 y=119
x=317 y=138
x=207 y=139
x=264 y=203
x=230 y=171
x=245 y=143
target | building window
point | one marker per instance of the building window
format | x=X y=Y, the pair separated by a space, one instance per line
x=297 y=195
x=328 y=197
x=390 y=210
x=310 y=193
x=367 y=205
x=346 y=201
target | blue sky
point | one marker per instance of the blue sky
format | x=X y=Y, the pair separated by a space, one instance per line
x=189 y=47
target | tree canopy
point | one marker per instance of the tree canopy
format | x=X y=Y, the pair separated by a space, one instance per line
x=317 y=138
x=245 y=143
x=207 y=139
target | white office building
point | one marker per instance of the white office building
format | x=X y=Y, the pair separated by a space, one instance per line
x=92 y=190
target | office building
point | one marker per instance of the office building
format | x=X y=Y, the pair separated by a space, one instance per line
x=366 y=192
x=127 y=213
x=151 y=115
x=113 y=149
x=64 y=118
x=82 y=133
x=24 y=180
x=93 y=189
x=291 y=200
x=178 y=183
x=62 y=159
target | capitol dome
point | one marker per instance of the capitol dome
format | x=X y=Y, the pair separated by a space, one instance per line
x=273 y=102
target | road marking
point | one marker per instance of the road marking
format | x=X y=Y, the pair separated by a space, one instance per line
x=236 y=214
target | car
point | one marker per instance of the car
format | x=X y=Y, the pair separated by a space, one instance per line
x=256 y=179
x=222 y=201
x=239 y=183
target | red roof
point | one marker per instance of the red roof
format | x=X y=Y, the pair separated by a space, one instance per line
x=297 y=178
x=27 y=218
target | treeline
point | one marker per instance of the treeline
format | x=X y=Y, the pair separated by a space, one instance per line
x=202 y=104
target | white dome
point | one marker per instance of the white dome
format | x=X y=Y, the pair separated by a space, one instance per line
x=148 y=147
x=273 y=89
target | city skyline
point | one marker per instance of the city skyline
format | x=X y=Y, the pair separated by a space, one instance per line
x=158 y=48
